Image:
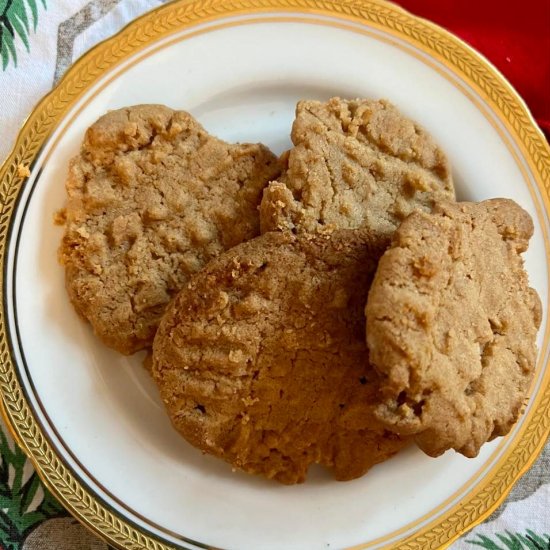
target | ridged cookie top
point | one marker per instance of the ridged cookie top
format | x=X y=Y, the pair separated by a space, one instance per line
x=261 y=360
x=151 y=198
x=451 y=325
x=357 y=163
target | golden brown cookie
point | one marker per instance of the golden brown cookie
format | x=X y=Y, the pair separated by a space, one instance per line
x=451 y=325
x=357 y=163
x=261 y=360
x=152 y=197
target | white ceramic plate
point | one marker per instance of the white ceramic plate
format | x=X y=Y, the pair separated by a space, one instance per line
x=92 y=421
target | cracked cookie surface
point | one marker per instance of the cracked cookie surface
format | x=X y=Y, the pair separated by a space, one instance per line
x=152 y=197
x=261 y=360
x=357 y=163
x=452 y=324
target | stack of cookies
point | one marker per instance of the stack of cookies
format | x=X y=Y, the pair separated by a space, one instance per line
x=331 y=306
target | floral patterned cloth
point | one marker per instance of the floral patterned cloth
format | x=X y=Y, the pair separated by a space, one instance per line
x=39 y=39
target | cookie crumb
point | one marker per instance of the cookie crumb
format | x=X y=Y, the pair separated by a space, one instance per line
x=60 y=217
x=23 y=171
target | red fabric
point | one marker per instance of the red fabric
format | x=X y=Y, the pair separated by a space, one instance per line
x=513 y=34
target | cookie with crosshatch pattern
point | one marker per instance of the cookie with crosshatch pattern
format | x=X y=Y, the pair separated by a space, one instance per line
x=152 y=197
x=261 y=360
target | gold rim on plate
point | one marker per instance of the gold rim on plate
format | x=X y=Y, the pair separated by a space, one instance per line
x=452 y=53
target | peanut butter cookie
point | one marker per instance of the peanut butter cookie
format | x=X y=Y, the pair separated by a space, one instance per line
x=451 y=325
x=261 y=360
x=357 y=163
x=152 y=197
